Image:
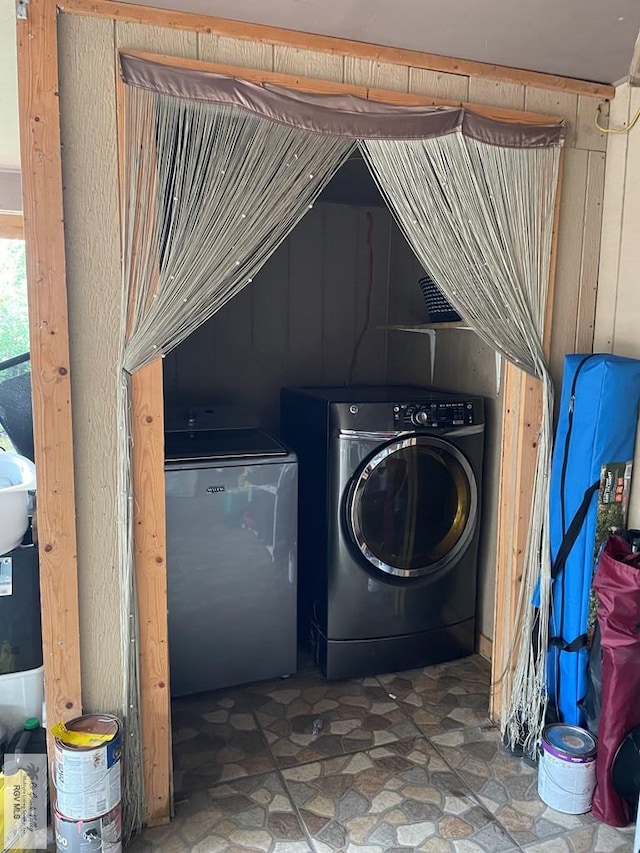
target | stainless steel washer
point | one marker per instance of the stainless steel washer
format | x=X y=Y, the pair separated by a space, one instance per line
x=390 y=493
x=231 y=497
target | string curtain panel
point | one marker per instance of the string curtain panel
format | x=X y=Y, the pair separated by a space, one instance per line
x=480 y=218
x=211 y=191
x=218 y=171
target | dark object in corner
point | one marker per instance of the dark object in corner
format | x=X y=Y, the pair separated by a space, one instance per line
x=440 y=310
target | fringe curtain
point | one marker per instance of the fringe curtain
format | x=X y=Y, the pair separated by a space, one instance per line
x=210 y=192
x=211 y=189
x=480 y=219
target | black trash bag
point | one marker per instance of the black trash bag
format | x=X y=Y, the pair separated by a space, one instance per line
x=592 y=702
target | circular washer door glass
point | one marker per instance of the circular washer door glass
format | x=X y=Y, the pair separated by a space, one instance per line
x=413 y=507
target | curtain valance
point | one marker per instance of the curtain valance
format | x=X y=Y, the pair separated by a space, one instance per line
x=338 y=115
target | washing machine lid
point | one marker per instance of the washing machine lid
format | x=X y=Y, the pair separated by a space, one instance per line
x=412 y=509
x=215 y=416
x=221 y=444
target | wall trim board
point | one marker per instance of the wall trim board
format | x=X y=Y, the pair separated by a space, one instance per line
x=150 y=536
x=484 y=647
x=308 y=84
x=39 y=122
x=521 y=421
x=11 y=226
x=328 y=44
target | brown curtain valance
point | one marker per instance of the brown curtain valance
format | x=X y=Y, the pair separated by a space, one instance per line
x=338 y=115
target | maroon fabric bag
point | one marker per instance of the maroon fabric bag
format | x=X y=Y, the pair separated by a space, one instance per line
x=617 y=582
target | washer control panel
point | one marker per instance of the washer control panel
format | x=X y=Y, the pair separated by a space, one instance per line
x=435 y=414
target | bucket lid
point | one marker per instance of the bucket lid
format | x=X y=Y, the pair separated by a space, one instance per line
x=571 y=740
x=86 y=732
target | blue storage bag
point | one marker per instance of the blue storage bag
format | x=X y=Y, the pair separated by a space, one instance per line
x=597 y=425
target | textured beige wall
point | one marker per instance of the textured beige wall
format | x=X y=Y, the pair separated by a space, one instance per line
x=87 y=95
x=89 y=161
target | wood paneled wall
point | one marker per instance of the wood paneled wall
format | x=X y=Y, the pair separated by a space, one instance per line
x=618 y=304
x=298 y=322
x=88 y=53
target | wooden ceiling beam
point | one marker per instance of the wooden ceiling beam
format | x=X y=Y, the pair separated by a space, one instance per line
x=329 y=44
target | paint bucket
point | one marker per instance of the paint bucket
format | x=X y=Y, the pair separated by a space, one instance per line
x=87 y=778
x=100 y=835
x=567 y=768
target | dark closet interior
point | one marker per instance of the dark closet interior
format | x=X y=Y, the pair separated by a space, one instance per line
x=322 y=311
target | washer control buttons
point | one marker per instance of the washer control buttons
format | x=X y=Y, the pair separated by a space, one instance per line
x=435 y=415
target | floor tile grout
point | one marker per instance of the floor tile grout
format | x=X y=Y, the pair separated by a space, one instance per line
x=248 y=728
x=476 y=797
x=492 y=818
x=283 y=781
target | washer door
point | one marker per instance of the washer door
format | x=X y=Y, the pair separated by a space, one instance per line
x=413 y=508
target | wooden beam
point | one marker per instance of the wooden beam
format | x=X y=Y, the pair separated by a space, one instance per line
x=327 y=44
x=151 y=584
x=504 y=608
x=11 y=226
x=328 y=87
x=521 y=419
x=49 y=336
x=521 y=425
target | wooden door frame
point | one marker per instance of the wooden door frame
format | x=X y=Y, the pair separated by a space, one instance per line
x=44 y=233
x=42 y=204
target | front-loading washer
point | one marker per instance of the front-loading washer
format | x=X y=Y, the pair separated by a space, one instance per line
x=390 y=481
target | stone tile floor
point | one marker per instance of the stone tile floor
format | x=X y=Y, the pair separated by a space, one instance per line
x=402 y=762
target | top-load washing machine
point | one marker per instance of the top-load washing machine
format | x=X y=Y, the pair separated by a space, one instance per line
x=231 y=501
x=390 y=479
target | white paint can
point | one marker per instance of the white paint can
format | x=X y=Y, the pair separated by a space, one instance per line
x=100 y=835
x=567 y=768
x=88 y=778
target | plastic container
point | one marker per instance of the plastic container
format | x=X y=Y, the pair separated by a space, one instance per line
x=23 y=769
x=17 y=478
x=31 y=740
x=21 y=696
x=4 y=736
